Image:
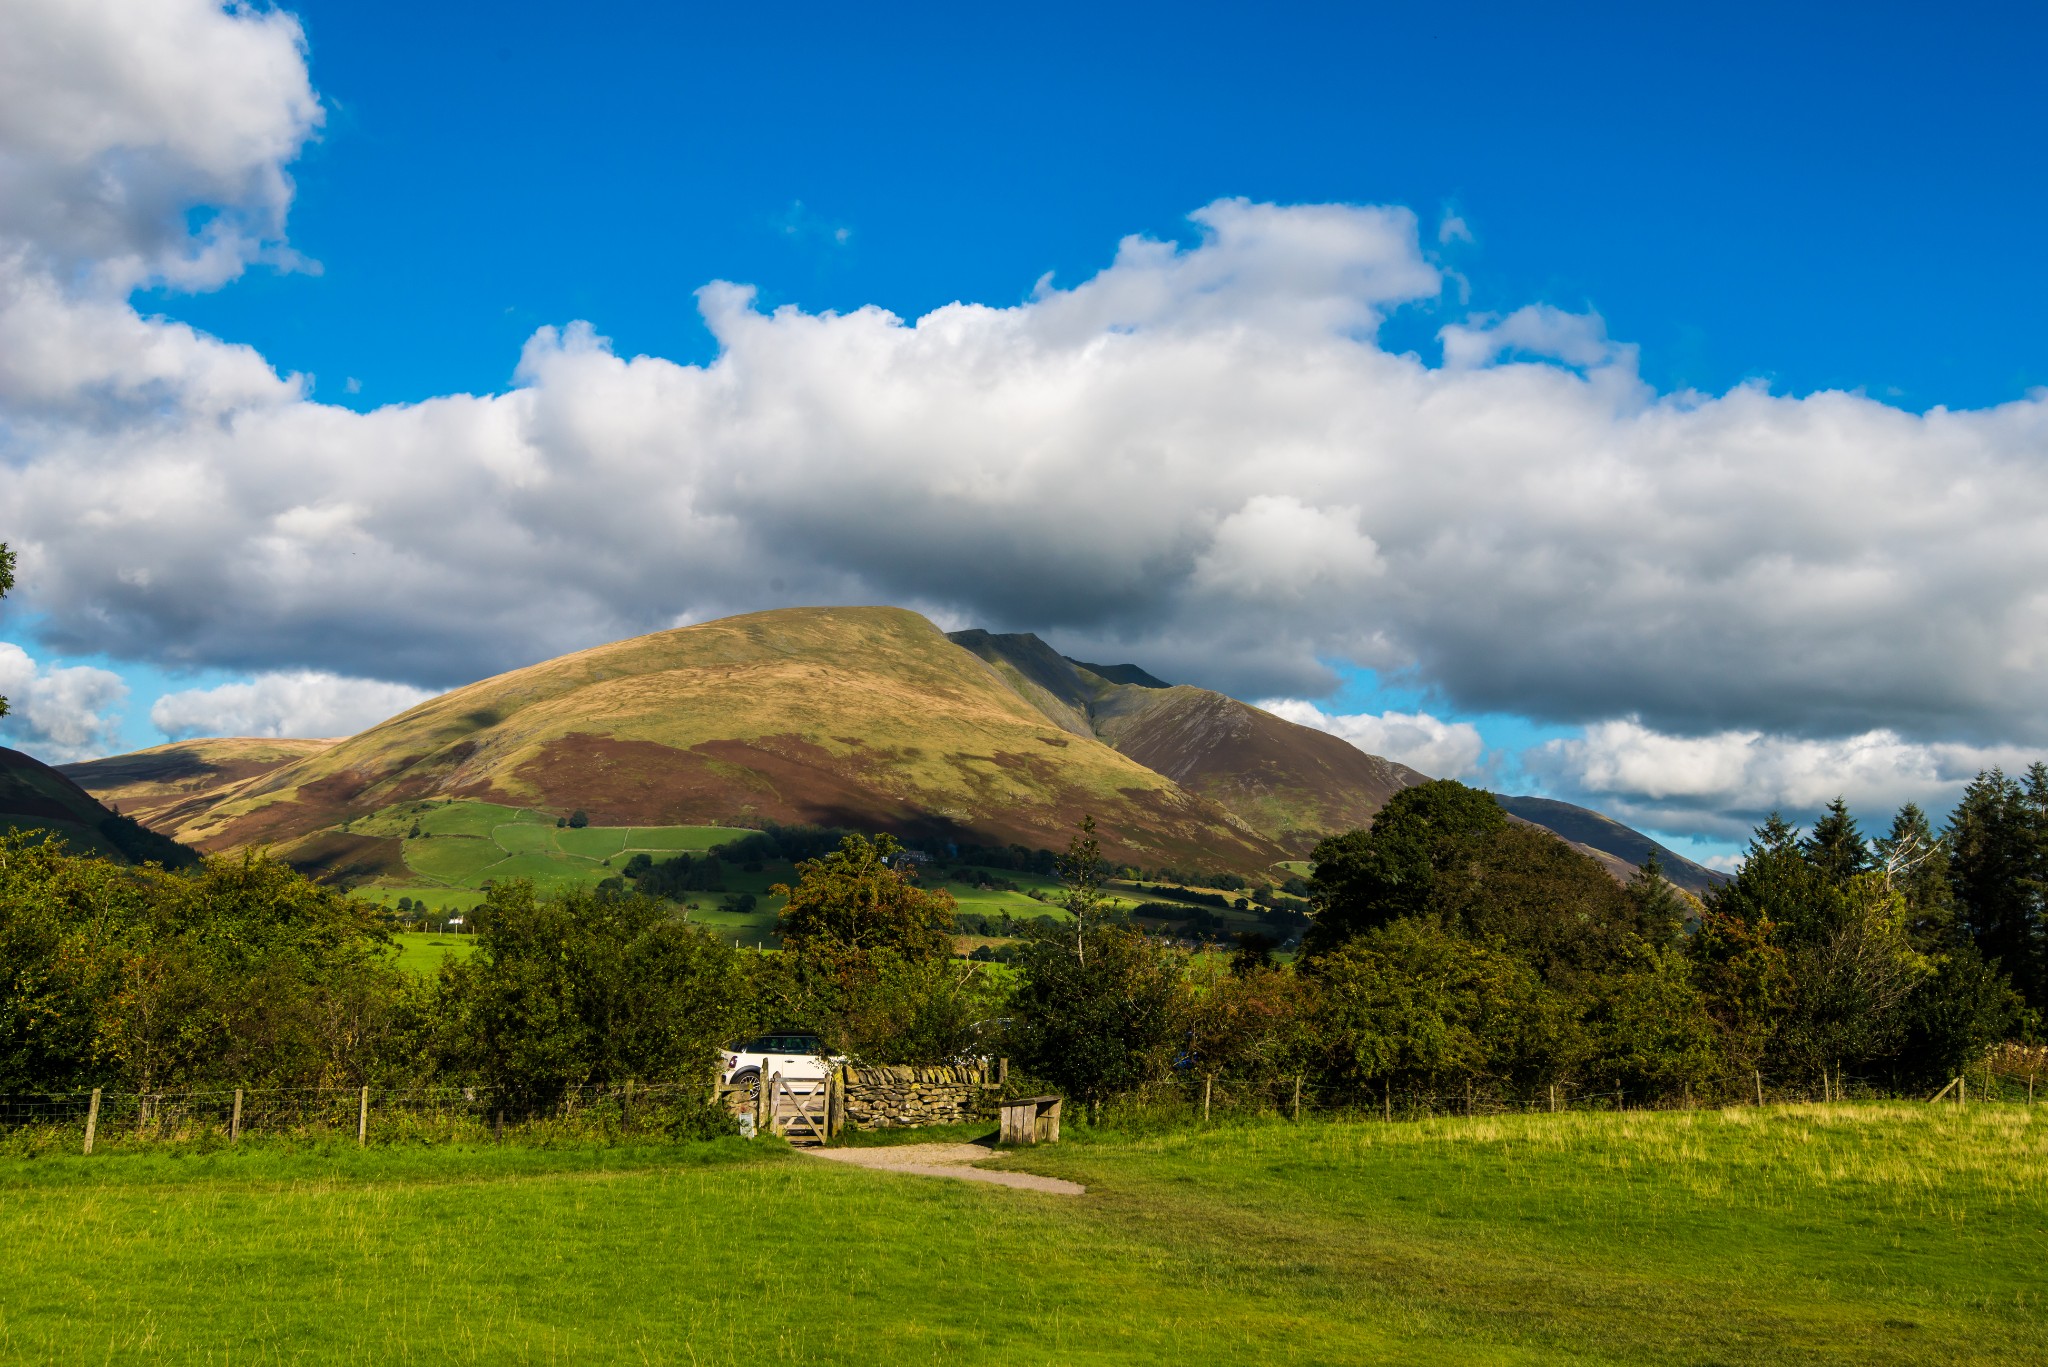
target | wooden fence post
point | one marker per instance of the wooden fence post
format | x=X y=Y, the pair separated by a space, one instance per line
x=1297 y=1098
x=1208 y=1081
x=1387 y=1098
x=1553 y=1098
x=92 y=1119
x=235 y=1120
x=363 y=1118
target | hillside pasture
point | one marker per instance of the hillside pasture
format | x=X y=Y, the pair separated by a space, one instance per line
x=1879 y=1234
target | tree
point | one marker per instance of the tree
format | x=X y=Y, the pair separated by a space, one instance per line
x=861 y=897
x=1368 y=878
x=1835 y=847
x=1099 y=1016
x=1410 y=1007
x=579 y=819
x=1520 y=889
x=1083 y=872
x=580 y=990
x=1915 y=861
x=1995 y=875
x=1661 y=910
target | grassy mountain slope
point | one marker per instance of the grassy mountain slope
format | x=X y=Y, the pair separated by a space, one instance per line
x=1621 y=845
x=1291 y=783
x=36 y=797
x=168 y=786
x=843 y=716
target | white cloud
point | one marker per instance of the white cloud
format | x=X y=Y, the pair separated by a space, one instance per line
x=117 y=117
x=1201 y=459
x=59 y=713
x=300 y=703
x=1725 y=781
x=1441 y=749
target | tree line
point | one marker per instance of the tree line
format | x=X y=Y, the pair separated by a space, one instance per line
x=1449 y=952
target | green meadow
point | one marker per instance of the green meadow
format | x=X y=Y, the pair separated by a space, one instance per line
x=1851 y=1234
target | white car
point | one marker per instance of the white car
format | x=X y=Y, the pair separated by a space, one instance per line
x=797 y=1057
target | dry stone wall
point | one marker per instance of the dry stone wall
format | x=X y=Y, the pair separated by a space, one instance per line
x=898 y=1096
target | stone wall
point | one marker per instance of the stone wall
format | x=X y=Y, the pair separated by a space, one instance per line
x=898 y=1096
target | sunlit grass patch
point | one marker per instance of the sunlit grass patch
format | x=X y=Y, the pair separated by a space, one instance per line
x=1851 y=1234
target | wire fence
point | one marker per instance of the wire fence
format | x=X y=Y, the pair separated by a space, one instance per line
x=109 y=1119
x=102 y=1119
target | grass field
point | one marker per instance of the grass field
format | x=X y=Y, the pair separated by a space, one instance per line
x=1853 y=1234
x=423 y=954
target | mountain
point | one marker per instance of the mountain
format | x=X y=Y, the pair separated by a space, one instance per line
x=1624 y=848
x=168 y=786
x=1291 y=783
x=863 y=717
x=33 y=797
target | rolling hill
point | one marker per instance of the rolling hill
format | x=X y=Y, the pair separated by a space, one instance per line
x=1291 y=783
x=844 y=716
x=167 y=786
x=860 y=717
x=36 y=797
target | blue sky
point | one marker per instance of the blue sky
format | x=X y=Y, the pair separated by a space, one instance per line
x=1799 y=198
x=1818 y=196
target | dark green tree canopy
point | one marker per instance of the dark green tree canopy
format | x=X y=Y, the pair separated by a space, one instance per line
x=1368 y=878
x=1835 y=847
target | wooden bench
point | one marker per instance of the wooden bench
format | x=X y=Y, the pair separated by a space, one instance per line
x=1031 y=1120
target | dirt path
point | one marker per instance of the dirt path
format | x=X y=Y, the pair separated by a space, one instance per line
x=945 y=1160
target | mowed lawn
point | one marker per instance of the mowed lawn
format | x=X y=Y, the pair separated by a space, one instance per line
x=1853 y=1234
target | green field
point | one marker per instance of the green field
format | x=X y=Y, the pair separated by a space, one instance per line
x=1855 y=1234
x=423 y=954
x=452 y=849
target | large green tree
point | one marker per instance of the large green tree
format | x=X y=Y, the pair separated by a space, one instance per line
x=861 y=897
x=1835 y=846
x=1369 y=878
x=581 y=990
x=1996 y=857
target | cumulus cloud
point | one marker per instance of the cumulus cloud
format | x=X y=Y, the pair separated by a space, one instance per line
x=118 y=118
x=1725 y=782
x=1200 y=458
x=1441 y=749
x=301 y=703
x=59 y=713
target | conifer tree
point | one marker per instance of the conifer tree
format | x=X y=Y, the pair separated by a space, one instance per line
x=1995 y=858
x=1659 y=908
x=1836 y=847
x=1915 y=861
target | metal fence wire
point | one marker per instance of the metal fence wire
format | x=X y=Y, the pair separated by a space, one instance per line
x=99 y=1120
x=366 y=1114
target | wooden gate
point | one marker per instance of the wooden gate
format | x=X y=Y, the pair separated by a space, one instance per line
x=800 y=1110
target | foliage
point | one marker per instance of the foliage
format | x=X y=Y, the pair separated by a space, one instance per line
x=1099 y=1013
x=863 y=896
x=1369 y=878
x=581 y=989
x=1998 y=871
x=144 y=978
x=1412 y=1006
